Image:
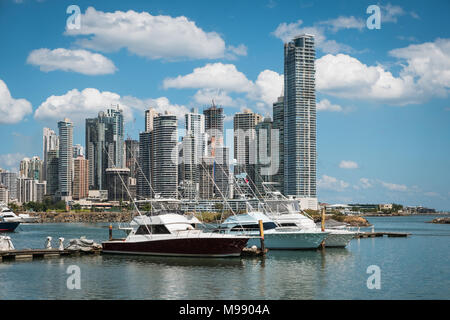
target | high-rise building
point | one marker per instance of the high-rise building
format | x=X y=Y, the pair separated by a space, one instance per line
x=222 y=172
x=214 y=127
x=278 y=124
x=32 y=168
x=300 y=117
x=30 y=190
x=264 y=154
x=52 y=172
x=165 y=154
x=245 y=145
x=150 y=114
x=78 y=150
x=104 y=145
x=193 y=149
x=117 y=183
x=65 y=158
x=80 y=178
x=8 y=179
x=132 y=156
x=206 y=176
x=50 y=141
x=4 y=194
x=145 y=176
x=145 y=171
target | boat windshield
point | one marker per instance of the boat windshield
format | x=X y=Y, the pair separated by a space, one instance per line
x=153 y=228
x=255 y=226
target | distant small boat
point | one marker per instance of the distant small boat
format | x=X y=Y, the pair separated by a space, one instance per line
x=26 y=218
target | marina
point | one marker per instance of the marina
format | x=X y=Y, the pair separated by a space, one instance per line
x=312 y=274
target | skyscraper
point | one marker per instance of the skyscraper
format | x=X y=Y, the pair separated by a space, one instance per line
x=52 y=172
x=214 y=127
x=300 y=117
x=132 y=156
x=245 y=145
x=265 y=155
x=278 y=124
x=193 y=149
x=80 y=178
x=65 y=158
x=50 y=141
x=8 y=179
x=145 y=176
x=165 y=152
x=104 y=145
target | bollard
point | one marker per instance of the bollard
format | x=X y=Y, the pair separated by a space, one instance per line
x=322 y=245
x=48 y=243
x=261 y=233
x=61 y=244
x=110 y=232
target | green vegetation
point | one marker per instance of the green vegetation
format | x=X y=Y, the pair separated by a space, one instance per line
x=46 y=205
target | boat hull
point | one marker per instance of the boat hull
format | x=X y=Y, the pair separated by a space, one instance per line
x=8 y=226
x=290 y=241
x=183 y=247
x=338 y=240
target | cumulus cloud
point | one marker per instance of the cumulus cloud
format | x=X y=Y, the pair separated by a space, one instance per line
x=221 y=79
x=365 y=183
x=213 y=76
x=79 y=105
x=343 y=22
x=331 y=183
x=220 y=97
x=81 y=61
x=287 y=31
x=393 y=186
x=10 y=161
x=12 y=110
x=425 y=73
x=347 y=164
x=326 y=105
x=146 y=35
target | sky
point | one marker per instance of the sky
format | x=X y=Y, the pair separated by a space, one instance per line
x=382 y=94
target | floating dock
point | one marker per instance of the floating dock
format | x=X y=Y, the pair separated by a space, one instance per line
x=381 y=234
x=31 y=254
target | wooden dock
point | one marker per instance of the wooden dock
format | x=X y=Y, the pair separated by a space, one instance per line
x=31 y=254
x=382 y=234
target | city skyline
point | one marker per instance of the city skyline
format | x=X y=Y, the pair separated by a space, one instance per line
x=373 y=146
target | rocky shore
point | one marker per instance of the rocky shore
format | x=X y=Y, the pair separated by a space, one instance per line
x=445 y=220
x=353 y=221
x=74 y=216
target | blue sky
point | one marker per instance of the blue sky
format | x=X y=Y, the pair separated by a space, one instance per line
x=383 y=105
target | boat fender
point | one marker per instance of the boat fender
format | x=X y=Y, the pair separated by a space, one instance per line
x=61 y=244
x=48 y=243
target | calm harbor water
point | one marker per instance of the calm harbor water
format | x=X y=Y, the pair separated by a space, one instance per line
x=417 y=267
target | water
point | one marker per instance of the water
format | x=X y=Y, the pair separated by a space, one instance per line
x=416 y=267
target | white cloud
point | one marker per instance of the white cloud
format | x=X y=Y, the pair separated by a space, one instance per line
x=287 y=31
x=426 y=74
x=344 y=23
x=429 y=63
x=153 y=37
x=12 y=110
x=365 y=183
x=79 y=105
x=233 y=52
x=81 y=61
x=393 y=186
x=213 y=76
x=11 y=161
x=332 y=183
x=220 y=97
x=218 y=79
x=326 y=105
x=390 y=13
x=347 y=164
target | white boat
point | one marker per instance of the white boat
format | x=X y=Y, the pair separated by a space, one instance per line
x=170 y=234
x=8 y=215
x=26 y=218
x=288 y=214
x=276 y=236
